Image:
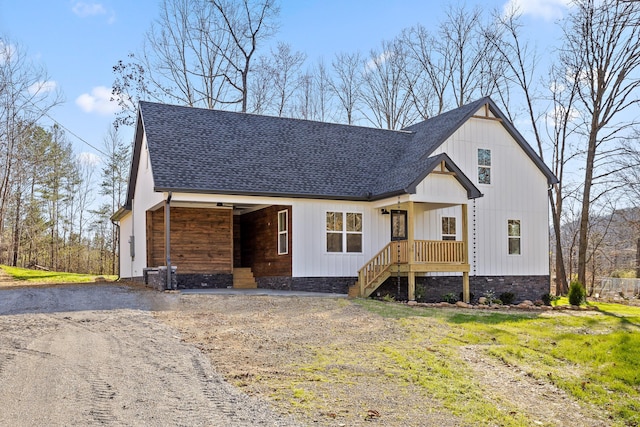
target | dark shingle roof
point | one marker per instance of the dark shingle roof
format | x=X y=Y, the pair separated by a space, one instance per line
x=210 y=151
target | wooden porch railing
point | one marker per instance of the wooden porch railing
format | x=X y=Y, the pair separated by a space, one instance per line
x=425 y=252
x=439 y=251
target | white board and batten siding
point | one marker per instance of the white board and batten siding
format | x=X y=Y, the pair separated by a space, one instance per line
x=310 y=257
x=518 y=191
x=145 y=198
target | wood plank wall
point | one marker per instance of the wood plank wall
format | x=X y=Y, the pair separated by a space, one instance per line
x=201 y=239
x=259 y=236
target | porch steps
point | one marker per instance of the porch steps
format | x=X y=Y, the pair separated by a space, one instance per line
x=354 y=290
x=243 y=279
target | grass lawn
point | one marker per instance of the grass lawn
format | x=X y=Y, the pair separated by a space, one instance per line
x=39 y=276
x=593 y=355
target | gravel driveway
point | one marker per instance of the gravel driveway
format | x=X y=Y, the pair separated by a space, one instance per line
x=89 y=355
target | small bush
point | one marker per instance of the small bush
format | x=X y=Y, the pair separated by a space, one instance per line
x=388 y=298
x=490 y=296
x=507 y=298
x=546 y=298
x=451 y=298
x=421 y=292
x=577 y=293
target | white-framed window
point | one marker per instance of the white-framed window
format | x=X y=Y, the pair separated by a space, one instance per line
x=283 y=232
x=514 y=236
x=448 y=228
x=344 y=232
x=484 y=166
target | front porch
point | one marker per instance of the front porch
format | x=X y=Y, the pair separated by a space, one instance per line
x=410 y=257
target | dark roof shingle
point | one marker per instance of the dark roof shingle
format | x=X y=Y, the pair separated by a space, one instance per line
x=211 y=151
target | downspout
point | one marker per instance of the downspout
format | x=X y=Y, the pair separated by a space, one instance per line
x=117 y=225
x=167 y=233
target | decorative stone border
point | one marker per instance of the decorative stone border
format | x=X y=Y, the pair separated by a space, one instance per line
x=525 y=305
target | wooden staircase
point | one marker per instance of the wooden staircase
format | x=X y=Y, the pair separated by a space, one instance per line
x=379 y=269
x=243 y=279
x=396 y=259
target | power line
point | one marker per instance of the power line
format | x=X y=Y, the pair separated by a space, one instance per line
x=74 y=134
x=45 y=113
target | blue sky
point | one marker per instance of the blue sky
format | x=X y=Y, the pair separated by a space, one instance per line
x=80 y=41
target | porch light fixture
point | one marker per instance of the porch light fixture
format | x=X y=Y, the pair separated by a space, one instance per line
x=383 y=211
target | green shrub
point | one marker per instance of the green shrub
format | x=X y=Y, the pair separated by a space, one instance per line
x=388 y=298
x=490 y=295
x=577 y=293
x=421 y=292
x=507 y=298
x=546 y=298
x=451 y=298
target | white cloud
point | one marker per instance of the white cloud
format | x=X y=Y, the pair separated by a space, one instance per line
x=89 y=159
x=98 y=101
x=43 y=87
x=83 y=9
x=545 y=9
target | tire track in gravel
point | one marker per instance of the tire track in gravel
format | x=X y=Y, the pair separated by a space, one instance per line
x=116 y=367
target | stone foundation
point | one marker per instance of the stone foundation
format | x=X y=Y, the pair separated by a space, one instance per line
x=336 y=285
x=433 y=288
x=197 y=281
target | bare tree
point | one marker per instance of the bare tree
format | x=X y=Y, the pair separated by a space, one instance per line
x=347 y=81
x=431 y=69
x=284 y=69
x=323 y=94
x=465 y=52
x=114 y=180
x=384 y=94
x=314 y=95
x=260 y=97
x=26 y=95
x=197 y=53
x=603 y=54
x=247 y=23
x=629 y=176
x=520 y=65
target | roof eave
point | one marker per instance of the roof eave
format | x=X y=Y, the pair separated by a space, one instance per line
x=363 y=198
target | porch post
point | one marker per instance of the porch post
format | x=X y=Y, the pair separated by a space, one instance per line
x=465 y=255
x=465 y=234
x=167 y=235
x=465 y=287
x=411 y=278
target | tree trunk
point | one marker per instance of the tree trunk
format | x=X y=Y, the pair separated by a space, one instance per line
x=583 y=240
x=16 y=232
x=561 y=274
x=638 y=260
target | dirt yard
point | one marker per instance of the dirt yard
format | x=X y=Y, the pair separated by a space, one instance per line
x=119 y=355
x=320 y=360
